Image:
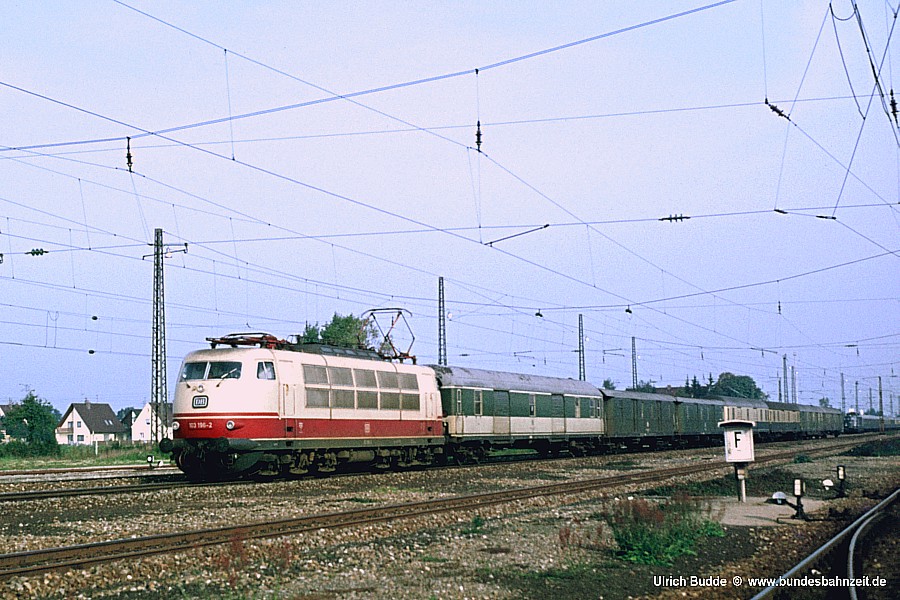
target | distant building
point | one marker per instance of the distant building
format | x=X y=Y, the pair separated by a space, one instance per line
x=4 y=410
x=129 y=419
x=142 y=426
x=88 y=422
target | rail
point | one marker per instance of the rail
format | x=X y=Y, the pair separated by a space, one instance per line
x=854 y=528
x=40 y=561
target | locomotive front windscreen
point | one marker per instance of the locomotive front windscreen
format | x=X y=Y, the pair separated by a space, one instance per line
x=211 y=370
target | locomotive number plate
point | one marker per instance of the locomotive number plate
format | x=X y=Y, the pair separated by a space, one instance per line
x=200 y=401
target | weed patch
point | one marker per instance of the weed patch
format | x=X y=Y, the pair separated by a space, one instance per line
x=889 y=447
x=654 y=533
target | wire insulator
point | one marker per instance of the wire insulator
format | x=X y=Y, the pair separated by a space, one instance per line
x=777 y=110
x=894 y=107
x=478 y=137
x=128 y=154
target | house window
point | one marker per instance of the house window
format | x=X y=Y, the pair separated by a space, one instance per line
x=80 y=438
x=78 y=424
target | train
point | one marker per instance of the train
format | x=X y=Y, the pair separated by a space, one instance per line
x=254 y=404
x=855 y=422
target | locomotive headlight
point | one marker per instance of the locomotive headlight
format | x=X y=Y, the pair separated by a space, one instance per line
x=176 y=425
x=229 y=425
x=200 y=388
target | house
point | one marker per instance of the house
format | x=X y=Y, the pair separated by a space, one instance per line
x=129 y=419
x=4 y=410
x=89 y=422
x=142 y=426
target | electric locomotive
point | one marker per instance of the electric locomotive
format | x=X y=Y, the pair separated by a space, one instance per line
x=255 y=404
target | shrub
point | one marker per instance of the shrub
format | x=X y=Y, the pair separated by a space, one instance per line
x=655 y=533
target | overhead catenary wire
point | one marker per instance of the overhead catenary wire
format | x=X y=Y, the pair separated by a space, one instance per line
x=376 y=233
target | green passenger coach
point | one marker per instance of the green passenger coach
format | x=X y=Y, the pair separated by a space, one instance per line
x=483 y=409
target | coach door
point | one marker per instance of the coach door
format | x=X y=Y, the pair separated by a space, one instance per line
x=557 y=414
x=501 y=413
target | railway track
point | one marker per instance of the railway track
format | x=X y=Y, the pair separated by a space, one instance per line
x=109 y=490
x=81 y=470
x=177 y=482
x=79 y=556
x=841 y=552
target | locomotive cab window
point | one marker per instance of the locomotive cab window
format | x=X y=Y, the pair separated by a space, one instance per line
x=211 y=370
x=224 y=370
x=265 y=370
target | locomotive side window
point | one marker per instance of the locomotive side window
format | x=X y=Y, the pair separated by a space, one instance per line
x=342 y=398
x=387 y=379
x=365 y=378
x=390 y=400
x=408 y=381
x=316 y=398
x=409 y=401
x=315 y=375
x=265 y=370
x=367 y=398
x=341 y=376
x=193 y=370
x=224 y=370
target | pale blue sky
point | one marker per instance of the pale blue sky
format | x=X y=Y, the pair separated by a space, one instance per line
x=351 y=204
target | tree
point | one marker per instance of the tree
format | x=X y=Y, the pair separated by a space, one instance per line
x=824 y=402
x=34 y=423
x=123 y=412
x=740 y=386
x=311 y=335
x=696 y=390
x=609 y=384
x=644 y=386
x=345 y=331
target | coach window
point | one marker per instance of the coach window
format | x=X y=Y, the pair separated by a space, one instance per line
x=479 y=402
x=577 y=407
x=265 y=370
x=531 y=405
x=459 y=402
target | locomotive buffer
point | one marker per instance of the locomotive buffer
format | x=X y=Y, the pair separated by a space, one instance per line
x=739 y=451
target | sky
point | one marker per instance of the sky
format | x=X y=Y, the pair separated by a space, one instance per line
x=717 y=181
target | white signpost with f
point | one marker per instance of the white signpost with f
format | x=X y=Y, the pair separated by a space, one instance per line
x=739 y=450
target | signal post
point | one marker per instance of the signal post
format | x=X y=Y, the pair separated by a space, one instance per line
x=739 y=451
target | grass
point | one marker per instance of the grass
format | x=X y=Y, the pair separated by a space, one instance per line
x=83 y=456
x=763 y=481
x=475 y=527
x=890 y=447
